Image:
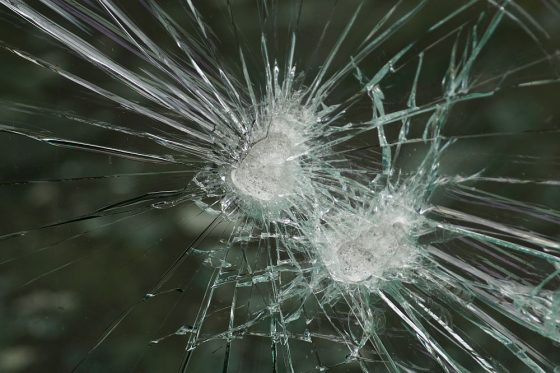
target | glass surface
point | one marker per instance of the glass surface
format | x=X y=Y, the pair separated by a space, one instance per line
x=286 y=186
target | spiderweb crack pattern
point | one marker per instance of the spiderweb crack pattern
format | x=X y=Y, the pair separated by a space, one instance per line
x=288 y=186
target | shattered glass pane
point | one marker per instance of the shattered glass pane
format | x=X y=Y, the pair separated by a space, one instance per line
x=286 y=186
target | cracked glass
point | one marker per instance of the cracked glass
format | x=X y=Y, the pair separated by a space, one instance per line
x=285 y=186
